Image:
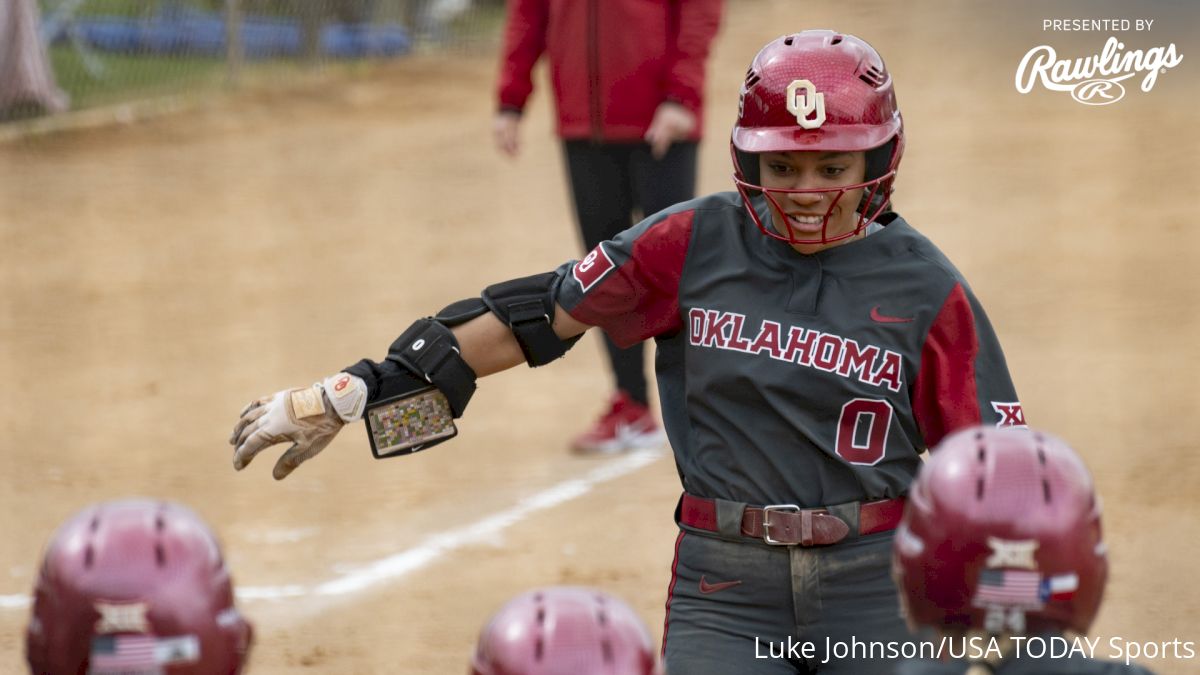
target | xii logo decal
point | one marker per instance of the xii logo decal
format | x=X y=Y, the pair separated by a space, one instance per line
x=1009 y=553
x=116 y=617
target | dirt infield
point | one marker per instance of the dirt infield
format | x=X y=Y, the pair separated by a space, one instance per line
x=158 y=275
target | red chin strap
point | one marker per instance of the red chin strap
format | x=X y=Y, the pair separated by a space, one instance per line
x=864 y=217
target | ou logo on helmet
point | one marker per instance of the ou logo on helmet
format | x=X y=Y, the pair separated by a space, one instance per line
x=1098 y=92
x=806 y=104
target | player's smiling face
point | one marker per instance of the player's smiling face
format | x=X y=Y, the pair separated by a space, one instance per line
x=806 y=214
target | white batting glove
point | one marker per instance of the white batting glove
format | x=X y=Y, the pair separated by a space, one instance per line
x=309 y=418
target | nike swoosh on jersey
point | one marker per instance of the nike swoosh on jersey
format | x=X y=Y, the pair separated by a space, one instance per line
x=707 y=588
x=882 y=318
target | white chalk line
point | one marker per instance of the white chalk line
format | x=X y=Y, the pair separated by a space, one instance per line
x=435 y=546
x=14 y=601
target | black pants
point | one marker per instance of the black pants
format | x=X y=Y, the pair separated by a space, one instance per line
x=609 y=183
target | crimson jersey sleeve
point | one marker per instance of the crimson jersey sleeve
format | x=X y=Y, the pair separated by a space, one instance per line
x=629 y=285
x=963 y=379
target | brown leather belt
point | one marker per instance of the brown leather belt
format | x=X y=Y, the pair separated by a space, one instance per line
x=789 y=525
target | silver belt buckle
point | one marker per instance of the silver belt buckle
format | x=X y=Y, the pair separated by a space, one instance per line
x=767 y=510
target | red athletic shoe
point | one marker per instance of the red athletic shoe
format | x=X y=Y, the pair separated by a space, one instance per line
x=627 y=425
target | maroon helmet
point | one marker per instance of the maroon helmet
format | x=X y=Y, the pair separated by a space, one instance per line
x=564 y=631
x=822 y=91
x=1001 y=533
x=135 y=586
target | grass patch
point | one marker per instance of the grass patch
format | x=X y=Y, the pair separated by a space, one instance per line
x=128 y=77
x=123 y=8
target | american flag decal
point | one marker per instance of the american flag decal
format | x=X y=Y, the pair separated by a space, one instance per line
x=1013 y=588
x=141 y=654
x=123 y=653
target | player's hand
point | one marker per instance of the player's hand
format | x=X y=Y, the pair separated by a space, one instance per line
x=309 y=418
x=505 y=129
x=672 y=122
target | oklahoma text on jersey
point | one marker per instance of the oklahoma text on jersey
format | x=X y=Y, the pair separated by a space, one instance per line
x=810 y=348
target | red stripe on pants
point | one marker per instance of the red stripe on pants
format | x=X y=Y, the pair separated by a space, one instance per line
x=670 y=592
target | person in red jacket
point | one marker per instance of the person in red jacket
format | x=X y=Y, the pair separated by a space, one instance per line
x=628 y=78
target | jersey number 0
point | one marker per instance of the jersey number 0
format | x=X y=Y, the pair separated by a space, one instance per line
x=863 y=429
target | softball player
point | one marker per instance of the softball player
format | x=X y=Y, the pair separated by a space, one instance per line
x=811 y=344
x=1002 y=538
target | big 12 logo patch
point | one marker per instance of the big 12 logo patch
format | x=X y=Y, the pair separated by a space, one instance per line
x=1011 y=414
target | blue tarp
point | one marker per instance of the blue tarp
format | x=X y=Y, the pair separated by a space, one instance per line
x=203 y=34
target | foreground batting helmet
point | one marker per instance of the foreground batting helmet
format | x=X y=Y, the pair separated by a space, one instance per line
x=135 y=586
x=1001 y=533
x=822 y=91
x=564 y=631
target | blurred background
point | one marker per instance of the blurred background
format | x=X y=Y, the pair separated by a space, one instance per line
x=196 y=211
x=102 y=52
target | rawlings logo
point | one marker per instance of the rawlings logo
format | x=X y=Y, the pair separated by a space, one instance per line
x=806 y=104
x=1094 y=80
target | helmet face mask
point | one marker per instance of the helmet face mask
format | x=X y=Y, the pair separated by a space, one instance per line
x=564 y=629
x=871 y=205
x=120 y=576
x=818 y=91
x=1001 y=534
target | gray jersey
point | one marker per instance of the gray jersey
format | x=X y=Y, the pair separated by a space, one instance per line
x=789 y=378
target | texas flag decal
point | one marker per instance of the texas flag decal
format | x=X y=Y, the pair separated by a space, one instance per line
x=592 y=268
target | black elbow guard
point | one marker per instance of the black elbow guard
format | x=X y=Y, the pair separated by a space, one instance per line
x=425 y=354
x=414 y=396
x=526 y=306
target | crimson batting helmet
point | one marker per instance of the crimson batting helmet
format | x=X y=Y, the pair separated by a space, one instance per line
x=818 y=90
x=1001 y=533
x=564 y=631
x=135 y=586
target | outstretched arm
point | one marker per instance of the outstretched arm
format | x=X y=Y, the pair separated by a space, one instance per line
x=627 y=285
x=310 y=417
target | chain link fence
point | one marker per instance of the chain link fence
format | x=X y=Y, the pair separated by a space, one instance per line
x=106 y=52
